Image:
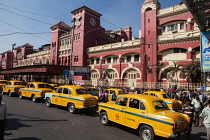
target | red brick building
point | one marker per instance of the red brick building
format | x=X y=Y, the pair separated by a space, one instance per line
x=115 y=57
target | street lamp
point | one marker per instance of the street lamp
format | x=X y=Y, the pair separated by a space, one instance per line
x=13 y=46
x=71 y=52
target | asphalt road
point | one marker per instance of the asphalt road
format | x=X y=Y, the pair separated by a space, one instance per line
x=34 y=121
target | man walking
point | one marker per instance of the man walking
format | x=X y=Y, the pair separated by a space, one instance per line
x=3 y=118
x=205 y=119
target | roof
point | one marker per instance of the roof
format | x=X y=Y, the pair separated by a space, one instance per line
x=71 y=86
x=156 y=92
x=85 y=8
x=140 y=96
x=61 y=24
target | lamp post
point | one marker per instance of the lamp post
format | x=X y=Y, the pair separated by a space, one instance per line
x=71 y=51
x=13 y=45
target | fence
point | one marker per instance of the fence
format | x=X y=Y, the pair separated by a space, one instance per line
x=146 y=85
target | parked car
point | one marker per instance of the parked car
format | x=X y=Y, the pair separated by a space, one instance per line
x=149 y=115
x=54 y=86
x=172 y=104
x=12 y=87
x=35 y=90
x=116 y=92
x=90 y=89
x=72 y=97
x=2 y=83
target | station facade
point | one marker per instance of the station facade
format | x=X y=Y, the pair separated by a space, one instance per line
x=116 y=58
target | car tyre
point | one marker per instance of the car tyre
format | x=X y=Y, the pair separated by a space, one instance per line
x=34 y=99
x=104 y=119
x=48 y=102
x=71 y=108
x=20 y=96
x=146 y=133
x=10 y=93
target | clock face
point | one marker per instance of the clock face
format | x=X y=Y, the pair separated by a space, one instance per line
x=92 y=22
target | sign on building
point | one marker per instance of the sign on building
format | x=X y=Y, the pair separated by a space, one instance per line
x=205 y=51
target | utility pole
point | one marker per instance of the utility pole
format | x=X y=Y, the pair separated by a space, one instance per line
x=71 y=52
x=13 y=45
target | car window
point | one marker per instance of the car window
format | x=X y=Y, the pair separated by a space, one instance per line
x=120 y=92
x=165 y=96
x=121 y=101
x=31 y=86
x=27 y=86
x=58 y=90
x=43 y=86
x=18 y=83
x=134 y=103
x=66 y=91
x=3 y=82
x=159 y=105
x=145 y=93
x=80 y=91
x=9 y=83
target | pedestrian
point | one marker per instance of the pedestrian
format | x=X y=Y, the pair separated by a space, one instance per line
x=205 y=119
x=3 y=118
x=205 y=104
x=113 y=96
x=198 y=108
x=183 y=97
x=174 y=96
x=189 y=110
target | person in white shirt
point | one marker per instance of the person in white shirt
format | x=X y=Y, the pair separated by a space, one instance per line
x=3 y=118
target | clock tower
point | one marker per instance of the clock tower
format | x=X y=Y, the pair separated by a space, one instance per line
x=86 y=34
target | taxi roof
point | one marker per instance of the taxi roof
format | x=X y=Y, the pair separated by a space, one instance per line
x=140 y=96
x=71 y=86
x=15 y=81
x=114 y=89
x=3 y=80
x=37 y=83
x=156 y=92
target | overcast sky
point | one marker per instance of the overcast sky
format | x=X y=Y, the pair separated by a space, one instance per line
x=29 y=21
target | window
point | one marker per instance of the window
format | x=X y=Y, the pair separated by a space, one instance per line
x=148 y=20
x=66 y=91
x=129 y=58
x=183 y=50
x=172 y=27
x=92 y=61
x=176 y=50
x=109 y=60
x=58 y=90
x=197 y=49
x=134 y=103
x=31 y=86
x=163 y=28
x=97 y=61
x=136 y=57
x=181 y=25
x=122 y=101
x=148 y=32
x=148 y=58
x=114 y=59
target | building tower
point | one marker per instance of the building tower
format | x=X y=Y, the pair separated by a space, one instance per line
x=149 y=34
x=86 y=34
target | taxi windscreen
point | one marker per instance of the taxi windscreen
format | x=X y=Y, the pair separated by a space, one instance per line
x=80 y=91
x=18 y=83
x=44 y=86
x=159 y=105
x=165 y=96
x=3 y=82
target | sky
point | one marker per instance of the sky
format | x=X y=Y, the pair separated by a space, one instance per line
x=29 y=21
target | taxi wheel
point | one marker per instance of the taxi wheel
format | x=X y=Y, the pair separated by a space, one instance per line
x=146 y=133
x=34 y=98
x=104 y=118
x=48 y=102
x=71 y=108
x=10 y=93
x=20 y=95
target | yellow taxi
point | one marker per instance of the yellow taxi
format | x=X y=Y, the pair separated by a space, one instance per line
x=35 y=90
x=12 y=87
x=149 y=115
x=54 y=86
x=72 y=97
x=114 y=91
x=91 y=89
x=2 y=83
x=172 y=104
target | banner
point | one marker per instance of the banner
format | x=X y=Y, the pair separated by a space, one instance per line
x=205 y=51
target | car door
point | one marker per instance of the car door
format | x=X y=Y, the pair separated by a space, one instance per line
x=66 y=95
x=56 y=98
x=118 y=113
x=30 y=90
x=135 y=112
x=25 y=90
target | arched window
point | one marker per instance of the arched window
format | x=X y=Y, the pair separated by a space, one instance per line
x=148 y=9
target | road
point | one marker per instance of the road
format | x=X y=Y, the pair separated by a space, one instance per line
x=34 y=121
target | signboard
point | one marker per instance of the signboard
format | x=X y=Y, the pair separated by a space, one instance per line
x=76 y=71
x=205 y=51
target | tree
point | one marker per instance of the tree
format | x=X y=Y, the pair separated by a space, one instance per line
x=193 y=72
x=173 y=71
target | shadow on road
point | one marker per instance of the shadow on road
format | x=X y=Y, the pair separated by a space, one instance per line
x=15 y=124
x=198 y=136
x=26 y=138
